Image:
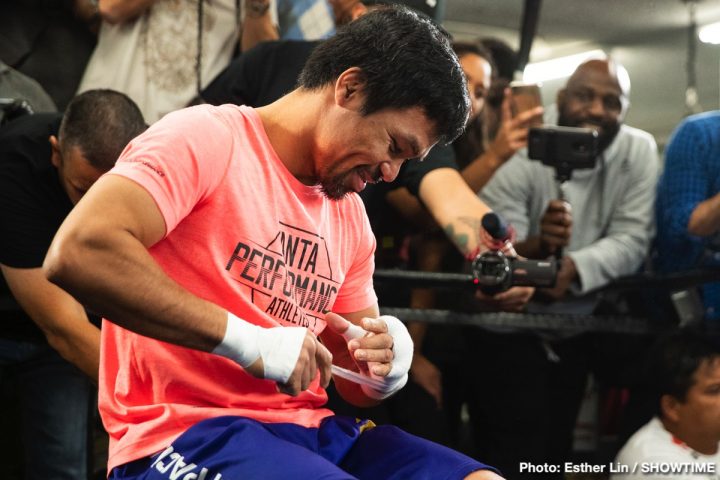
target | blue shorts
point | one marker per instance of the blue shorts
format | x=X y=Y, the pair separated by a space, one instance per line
x=238 y=448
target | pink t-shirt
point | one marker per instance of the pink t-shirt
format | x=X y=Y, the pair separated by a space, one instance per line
x=244 y=233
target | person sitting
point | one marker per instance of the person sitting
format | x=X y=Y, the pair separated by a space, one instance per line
x=426 y=195
x=227 y=245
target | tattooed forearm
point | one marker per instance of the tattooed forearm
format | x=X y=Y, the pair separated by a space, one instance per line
x=464 y=232
x=459 y=239
x=475 y=225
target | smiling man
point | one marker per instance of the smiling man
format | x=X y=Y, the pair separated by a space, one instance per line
x=232 y=261
x=606 y=235
x=609 y=233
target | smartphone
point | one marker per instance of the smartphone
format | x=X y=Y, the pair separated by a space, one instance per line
x=526 y=96
x=566 y=148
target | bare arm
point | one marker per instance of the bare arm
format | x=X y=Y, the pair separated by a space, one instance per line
x=479 y=172
x=100 y=256
x=61 y=318
x=705 y=218
x=120 y=11
x=257 y=25
x=454 y=207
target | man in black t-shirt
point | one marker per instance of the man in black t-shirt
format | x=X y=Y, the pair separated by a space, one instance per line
x=47 y=162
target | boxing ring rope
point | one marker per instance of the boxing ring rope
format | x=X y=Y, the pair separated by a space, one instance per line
x=665 y=283
x=531 y=321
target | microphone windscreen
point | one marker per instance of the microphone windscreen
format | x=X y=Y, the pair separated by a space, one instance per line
x=495 y=226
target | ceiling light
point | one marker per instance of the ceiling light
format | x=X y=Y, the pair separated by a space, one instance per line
x=710 y=33
x=558 y=67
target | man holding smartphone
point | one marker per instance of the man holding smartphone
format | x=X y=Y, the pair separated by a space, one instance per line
x=605 y=235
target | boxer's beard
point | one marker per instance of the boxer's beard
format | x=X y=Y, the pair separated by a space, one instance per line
x=336 y=186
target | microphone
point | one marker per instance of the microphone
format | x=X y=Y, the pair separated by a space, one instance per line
x=495 y=226
x=496 y=234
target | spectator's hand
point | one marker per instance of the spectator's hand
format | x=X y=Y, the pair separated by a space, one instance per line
x=513 y=132
x=512 y=300
x=555 y=227
x=428 y=376
x=565 y=277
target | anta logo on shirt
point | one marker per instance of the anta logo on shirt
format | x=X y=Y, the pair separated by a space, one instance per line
x=290 y=278
x=173 y=465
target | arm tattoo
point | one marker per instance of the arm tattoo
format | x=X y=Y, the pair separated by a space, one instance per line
x=463 y=240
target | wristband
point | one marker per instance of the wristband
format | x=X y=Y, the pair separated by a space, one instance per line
x=279 y=347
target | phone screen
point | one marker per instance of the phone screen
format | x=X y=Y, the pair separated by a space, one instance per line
x=526 y=96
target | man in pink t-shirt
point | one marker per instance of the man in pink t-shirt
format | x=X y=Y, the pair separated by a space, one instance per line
x=222 y=241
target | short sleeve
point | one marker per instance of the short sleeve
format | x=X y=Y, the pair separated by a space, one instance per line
x=180 y=160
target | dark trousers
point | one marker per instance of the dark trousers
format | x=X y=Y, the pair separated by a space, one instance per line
x=50 y=398
x=523 y=406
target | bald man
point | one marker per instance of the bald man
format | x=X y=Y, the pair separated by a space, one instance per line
x=608 y=230
x=604 y=226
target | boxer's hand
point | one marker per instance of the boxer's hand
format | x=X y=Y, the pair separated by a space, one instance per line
x=370 y=345
x=291 y=356
x=382 y=349
x=313 y=356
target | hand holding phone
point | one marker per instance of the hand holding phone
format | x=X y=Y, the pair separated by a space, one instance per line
x=526 y=96
x=521 y=109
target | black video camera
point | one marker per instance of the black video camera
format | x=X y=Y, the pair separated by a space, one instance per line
x=564 y=148
x=495 y=272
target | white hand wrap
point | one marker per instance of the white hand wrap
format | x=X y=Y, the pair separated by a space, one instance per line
x=279 y=347
x=402 y=351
